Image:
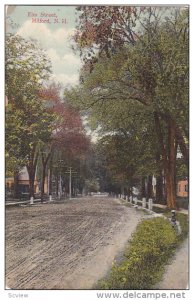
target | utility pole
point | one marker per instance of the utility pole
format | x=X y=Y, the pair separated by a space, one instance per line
x=70 y=172
x=70 y=182
x=60 y=180
x=48 y=180
x=60 y=186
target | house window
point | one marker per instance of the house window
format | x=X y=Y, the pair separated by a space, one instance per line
x=186 y=188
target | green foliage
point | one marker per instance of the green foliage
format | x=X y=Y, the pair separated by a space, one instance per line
x=14 y=134
x=26 y=67
x=27 y=120
x=91 y=185
x=125 y=88
x=149 y=250
x=181 y=169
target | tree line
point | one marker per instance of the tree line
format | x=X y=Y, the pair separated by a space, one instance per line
x=43 y=132
x=134 y=87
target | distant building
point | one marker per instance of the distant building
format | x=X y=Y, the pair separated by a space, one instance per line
x=23 y=183
x=182 y=188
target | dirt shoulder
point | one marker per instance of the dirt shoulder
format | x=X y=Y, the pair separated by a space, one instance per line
x=65 y=246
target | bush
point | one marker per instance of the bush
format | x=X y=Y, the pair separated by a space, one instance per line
x=152 y=244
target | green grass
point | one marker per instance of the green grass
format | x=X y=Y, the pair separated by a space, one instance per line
x=184 y=223
x=182 y=218
x=160 y=210
x=152 y=245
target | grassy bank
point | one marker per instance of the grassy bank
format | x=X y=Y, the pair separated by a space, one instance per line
x=152 y=245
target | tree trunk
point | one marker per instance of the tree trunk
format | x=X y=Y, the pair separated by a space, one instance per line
x=143 y=189
x=182 y=145
x=57 y=184
x=179 y=137
x=31 y=167
x=164 y=190
x=169 y=161
x=16 y=184
x=131 y=188
x=160 y=182
x=122 y=190
x=171 y=172
x=159 y=189
x=43 y=181
x=31 y=174
x=44 y=165
x=50 y=181
x=149 y=188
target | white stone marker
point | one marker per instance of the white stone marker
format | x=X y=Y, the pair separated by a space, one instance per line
x=31 y=200
x=150 y=204
x=179 y=229
x=144 y=202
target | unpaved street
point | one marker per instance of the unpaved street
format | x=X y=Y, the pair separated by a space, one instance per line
x=65 y=246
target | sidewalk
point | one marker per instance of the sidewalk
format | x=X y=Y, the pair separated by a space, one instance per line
x=176 y=274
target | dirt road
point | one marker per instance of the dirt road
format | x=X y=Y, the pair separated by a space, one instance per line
x=65 y=246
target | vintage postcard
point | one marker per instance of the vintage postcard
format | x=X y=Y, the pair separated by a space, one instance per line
x=97 y=149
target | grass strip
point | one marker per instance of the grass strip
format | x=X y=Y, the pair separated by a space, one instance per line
x=152 y=245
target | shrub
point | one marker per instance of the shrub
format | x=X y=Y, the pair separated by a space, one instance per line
x=150 y=248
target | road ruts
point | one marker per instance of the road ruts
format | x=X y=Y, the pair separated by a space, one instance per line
x=65 y=246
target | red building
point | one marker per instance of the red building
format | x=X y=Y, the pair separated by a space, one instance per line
x=182 y=188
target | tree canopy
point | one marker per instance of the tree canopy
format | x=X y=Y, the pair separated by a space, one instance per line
x=145 y=75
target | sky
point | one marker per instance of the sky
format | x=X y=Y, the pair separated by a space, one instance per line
x=54 y=36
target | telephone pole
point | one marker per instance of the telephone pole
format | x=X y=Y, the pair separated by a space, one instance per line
x=60 y=179
x=70 y=181
x=70 y=172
